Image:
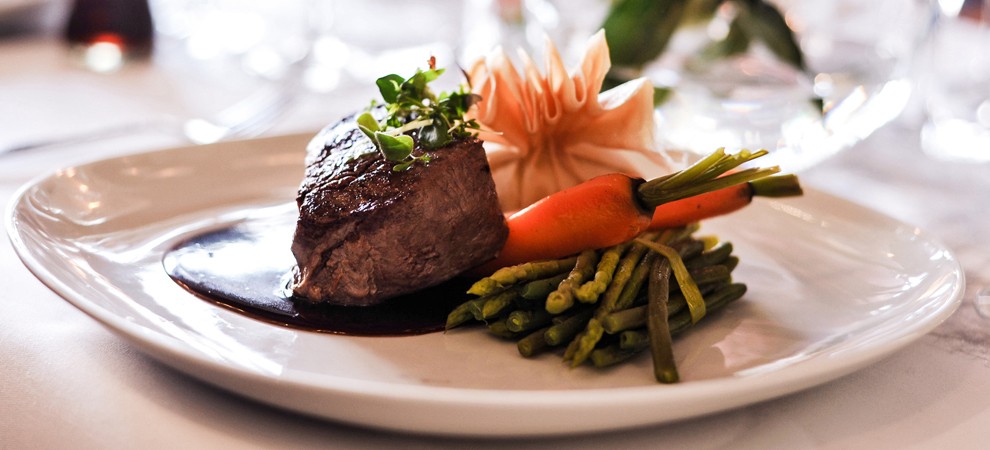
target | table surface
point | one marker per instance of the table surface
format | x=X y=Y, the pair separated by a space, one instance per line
x=68 y=382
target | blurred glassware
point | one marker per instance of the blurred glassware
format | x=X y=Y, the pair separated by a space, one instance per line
x=857 y=56
x=27 y=16
x=333 y=47
x=224 y=61
x=358 y=41
x=365 y=40
x=957 y=83
x=104 y=34
x=260 y=37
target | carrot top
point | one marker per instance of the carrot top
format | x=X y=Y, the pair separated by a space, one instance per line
x=708 y=174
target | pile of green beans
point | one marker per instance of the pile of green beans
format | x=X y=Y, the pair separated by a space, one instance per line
x=606 y=306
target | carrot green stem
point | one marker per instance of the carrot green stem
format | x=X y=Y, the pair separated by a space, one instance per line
x=695 y=170
x=777 y=186
x=706 y=175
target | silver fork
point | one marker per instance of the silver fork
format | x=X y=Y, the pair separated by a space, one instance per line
x=247 y=118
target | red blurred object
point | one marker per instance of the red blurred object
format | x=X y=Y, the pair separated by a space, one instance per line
x=975 y=9
x=124 y=23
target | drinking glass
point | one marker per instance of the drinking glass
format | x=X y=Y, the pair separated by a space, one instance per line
x=858 y=55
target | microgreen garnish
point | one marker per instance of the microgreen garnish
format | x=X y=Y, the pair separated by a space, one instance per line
x=417 y=116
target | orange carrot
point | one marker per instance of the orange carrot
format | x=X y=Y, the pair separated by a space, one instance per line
x=614 y=208
x=600 y=212
x=689 y=210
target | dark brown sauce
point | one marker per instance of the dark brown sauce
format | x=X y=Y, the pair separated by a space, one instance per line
x=246 y=268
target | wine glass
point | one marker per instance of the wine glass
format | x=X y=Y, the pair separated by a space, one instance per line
x=854 y=75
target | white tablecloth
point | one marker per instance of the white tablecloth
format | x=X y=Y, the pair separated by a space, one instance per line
x=65 y=382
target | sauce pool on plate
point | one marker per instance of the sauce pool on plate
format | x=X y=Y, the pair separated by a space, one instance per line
x=247 y=267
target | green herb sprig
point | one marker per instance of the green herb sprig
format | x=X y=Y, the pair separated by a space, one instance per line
x=416 y=117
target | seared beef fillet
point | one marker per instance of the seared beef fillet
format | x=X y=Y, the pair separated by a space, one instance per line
x=366 y=233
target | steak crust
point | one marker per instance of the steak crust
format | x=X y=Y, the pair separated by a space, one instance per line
x=366 y=233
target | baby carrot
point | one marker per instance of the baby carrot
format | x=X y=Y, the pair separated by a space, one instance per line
x=598 y=213
x=689 y=210
x=611 y=209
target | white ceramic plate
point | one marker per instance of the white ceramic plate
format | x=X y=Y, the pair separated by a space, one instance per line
x=833 y=287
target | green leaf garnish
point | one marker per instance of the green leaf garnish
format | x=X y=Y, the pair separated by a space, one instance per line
x=404 y=166
x=414 y=110
x=389 y=86
x=368 y=125
x=433 y=137
x=395 y=148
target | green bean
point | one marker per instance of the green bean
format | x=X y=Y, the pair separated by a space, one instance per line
x=661 y=346
x=625 y=319
x=682 y=321
x=689 y=248
x=500 y=329
x=677 y=302
x=525 y=320
x=632 y=289
x=568 y=328
x=613 y=354
x=533 y=343
x=539 y=289
x=542 y=305
x=695 y=302
x=635 y=317
x=634 y=340
x=622 y=276
x=716 y=255
x=497 y=303
x=731 y=263
x=705 y=275
x=591 y=290
x=562 y=298
x=585 y=342
x=464 y=312
x=508 y=276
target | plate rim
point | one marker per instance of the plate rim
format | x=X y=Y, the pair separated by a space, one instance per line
x=173 y=353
